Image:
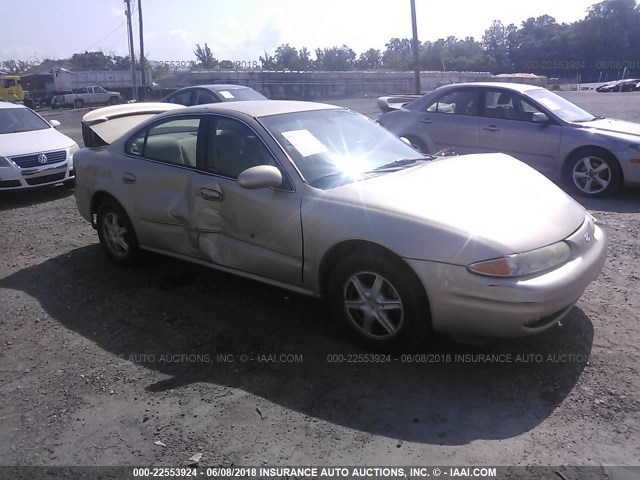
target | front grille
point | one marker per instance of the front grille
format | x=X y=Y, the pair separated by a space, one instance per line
x=45 y=179
x=29 y=161
x=9 y=183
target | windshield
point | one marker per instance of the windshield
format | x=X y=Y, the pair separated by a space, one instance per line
x=13 y=120
x=331 y=147
x=240 y=94
x=561 y=107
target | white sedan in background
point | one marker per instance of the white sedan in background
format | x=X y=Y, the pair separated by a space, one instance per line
x=32 y=152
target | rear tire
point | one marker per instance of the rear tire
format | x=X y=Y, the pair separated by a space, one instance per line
x=78 y=103
x=380 y=302
x=117 y=236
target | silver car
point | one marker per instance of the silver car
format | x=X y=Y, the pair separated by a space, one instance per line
x=593 y=155
x=322 y=201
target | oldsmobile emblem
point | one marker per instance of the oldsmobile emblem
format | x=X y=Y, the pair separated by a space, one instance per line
x=42 y=158
x=587 y=237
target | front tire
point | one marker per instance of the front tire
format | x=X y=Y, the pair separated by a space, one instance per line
x=380 y=302
x=593 y=173
x=117 y=236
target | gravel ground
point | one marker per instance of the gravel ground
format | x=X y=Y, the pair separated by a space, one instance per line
x=101 y=365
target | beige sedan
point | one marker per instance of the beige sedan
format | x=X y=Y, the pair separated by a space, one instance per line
x=322 y=201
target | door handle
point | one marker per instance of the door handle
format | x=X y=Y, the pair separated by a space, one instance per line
x=213 y=195
x=492 y=128
x=128 y=177
x=426 y=120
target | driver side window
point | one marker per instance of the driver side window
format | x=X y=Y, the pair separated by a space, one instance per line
x=234 y=147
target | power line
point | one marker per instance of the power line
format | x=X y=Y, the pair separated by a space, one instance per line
x=106 y=36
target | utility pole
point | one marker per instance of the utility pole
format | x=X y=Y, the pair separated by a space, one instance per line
x=414 y=45
x=134 y=90
x=142 y=63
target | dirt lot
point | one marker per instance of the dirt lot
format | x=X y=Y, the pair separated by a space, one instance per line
x=98 y=363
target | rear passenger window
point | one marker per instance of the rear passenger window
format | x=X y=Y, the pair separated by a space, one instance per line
x=461 y=102
x=172 y=141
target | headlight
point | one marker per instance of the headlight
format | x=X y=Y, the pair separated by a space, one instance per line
x=527 y=263
x=73 y=149
x=4 y=162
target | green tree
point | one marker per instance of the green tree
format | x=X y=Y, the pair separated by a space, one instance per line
x=287 y=58
x=371 y=59
x=205 y=57
x=398 y=54
x=268 y=62
x=495 y=42
x=335 y=58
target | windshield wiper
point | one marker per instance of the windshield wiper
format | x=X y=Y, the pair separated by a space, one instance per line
x=400 y=163
x=585 y=120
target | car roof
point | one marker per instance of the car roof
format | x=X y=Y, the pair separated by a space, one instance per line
x=262 y=108
x=10 y=105
x=517 y=87
x=216 y=87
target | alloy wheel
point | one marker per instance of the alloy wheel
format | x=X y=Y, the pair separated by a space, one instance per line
x=115 y=233
x=591 y=175
x=373 y=305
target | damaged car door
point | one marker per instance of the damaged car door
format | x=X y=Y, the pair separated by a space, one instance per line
x=256 y=230
x=161 y=183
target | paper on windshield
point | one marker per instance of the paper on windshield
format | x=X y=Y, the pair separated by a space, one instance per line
x=550 y=104
x=305 y=142
x=226 y=94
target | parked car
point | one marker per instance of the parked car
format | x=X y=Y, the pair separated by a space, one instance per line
x=628 y=85
x=203 y=94
x=32 y=152
x=593 y=155
x=322 y=201
x=80 y=97
x=47 y=100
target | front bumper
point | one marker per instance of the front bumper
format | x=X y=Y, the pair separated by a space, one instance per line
x=629 y=163
x=465 y=303
x=16 y=178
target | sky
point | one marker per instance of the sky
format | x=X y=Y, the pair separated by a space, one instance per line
x=242 y=30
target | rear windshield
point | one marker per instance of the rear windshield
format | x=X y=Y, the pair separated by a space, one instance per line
x=13 y=120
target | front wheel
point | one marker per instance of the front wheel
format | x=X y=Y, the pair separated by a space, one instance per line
x=381 y=303
x=116 y=234
x=593 y=173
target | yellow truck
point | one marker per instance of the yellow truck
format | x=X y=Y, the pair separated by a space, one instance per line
x=10 y=88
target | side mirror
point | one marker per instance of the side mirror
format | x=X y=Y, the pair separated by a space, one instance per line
x=54 y=123
x=406 y=140
x=262 y=176
x=539 y=117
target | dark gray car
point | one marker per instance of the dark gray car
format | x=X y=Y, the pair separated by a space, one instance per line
x=594 y=155
x=204 y=94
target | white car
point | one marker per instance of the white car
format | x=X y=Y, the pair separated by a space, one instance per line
x=32 y=152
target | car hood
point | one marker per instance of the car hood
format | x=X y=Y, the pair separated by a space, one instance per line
x=24 y=143
x=488 y=199
x=612 y=125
